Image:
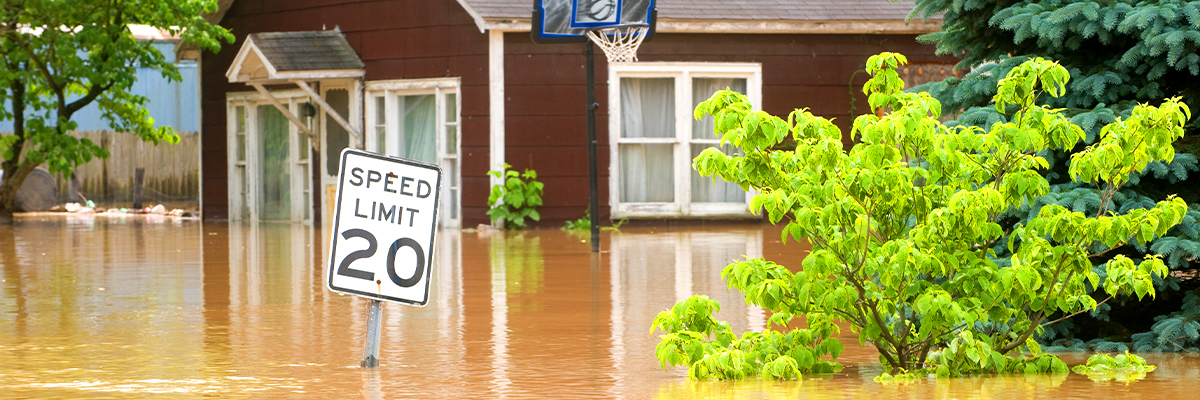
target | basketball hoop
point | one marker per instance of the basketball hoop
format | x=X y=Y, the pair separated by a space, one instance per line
x=619 y=42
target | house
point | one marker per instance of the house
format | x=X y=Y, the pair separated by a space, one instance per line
x=459 y=83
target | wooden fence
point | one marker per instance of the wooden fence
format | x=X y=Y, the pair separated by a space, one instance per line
x=172 y=172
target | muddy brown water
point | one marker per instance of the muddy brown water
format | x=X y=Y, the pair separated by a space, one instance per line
x=148 y=307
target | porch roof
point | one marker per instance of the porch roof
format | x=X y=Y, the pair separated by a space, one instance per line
x=280 y=56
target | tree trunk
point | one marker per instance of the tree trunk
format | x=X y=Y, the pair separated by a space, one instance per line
x=13 y=175
x=8 y=189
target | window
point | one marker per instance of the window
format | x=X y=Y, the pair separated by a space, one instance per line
x=654 y=138
x=418 y=119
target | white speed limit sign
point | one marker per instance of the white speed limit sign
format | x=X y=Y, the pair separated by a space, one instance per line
x=384 y=227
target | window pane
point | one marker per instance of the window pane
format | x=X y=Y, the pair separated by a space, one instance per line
x=336 y=138
x=274 y=201
x=242 y=212
x=381 y=140
x=420 y=128
x=452 y=194
x=647 y=107
x=647 y=173
x=703 y=189
x=451 y=107
x=452 y=139
x=241 y=119
x=241 y=147
x=380 y=128
x=240 y=133
x=380 y=111
x=307 y=193
x=702 y=89
x=303 y=148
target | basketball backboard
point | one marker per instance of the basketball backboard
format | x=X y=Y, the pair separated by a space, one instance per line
x=567 y=21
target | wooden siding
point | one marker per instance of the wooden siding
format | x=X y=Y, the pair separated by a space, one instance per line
x=546 y=124
x=396 y=39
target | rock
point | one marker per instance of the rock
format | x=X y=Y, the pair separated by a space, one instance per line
x=38 y=192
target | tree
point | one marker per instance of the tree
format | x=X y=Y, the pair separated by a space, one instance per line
x=903 y=227
x=1120 y=54
x=62 y=55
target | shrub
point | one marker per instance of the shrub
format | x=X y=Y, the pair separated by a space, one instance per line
x=516 y=199
x=904 y=227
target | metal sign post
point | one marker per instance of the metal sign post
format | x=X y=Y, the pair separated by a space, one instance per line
x=371 y=348
x=384 y=228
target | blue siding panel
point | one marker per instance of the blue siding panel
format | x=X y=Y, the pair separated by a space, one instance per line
x=176 y=104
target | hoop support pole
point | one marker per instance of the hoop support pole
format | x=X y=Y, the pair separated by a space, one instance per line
x=593 y=198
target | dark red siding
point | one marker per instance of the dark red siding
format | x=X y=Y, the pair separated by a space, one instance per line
x=546 y=124
x=396 y=39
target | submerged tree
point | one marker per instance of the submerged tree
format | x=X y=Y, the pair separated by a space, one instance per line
x=903 y=227
x=60 y=56
x=1119 y=54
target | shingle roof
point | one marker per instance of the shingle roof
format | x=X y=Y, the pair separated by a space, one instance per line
x=307 y=51
x=795 y=10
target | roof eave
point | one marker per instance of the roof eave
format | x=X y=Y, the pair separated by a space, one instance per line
x=670 y=25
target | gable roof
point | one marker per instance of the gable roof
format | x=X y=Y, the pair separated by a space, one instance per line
x=306 y=51
x=292 y=55
x=739 y=16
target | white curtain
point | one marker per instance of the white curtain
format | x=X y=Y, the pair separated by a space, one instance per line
x=420 y=128
x=703 y=188
x=647 y=111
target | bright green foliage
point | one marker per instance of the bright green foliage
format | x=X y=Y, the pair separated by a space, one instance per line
x=518 y=198
x=710 y=350
x=585 y=224
x=61 y=55
x=903 y=225
x=1122 y=368
x=1120 y=54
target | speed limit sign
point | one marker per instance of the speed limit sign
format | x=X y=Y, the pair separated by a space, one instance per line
x=384 y=228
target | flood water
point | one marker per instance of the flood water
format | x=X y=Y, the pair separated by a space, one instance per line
x=136 y=307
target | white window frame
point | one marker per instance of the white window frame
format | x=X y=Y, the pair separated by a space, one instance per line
x=301 y=207
x=440 y=88
x=682 y=72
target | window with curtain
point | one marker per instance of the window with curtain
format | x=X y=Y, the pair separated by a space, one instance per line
x=656 y=138
x=418 y=120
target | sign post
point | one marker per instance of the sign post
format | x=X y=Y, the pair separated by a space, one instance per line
x=384 y=226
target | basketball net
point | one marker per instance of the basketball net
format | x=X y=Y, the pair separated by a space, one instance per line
x=620 y=42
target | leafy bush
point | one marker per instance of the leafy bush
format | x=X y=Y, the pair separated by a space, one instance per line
x=515 y=200
x=1120 y=54
x=1122 y=368
x=904 y=227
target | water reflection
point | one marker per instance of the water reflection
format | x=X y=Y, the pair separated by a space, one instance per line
x=94 y=308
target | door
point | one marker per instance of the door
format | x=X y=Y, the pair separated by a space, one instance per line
x=269 y=163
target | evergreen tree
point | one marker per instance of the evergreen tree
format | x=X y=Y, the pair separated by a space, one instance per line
x=1119 y=54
